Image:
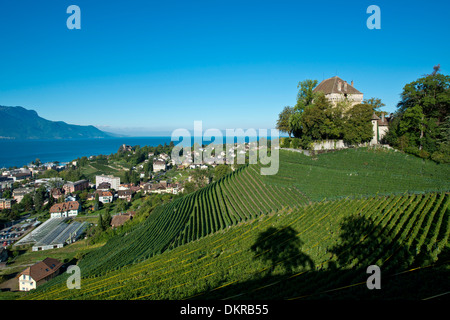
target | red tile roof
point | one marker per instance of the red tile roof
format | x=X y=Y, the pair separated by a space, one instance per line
x=104 y=193
x=331 y=86
x=42 y=269
x=65 y=206
x=120 y=219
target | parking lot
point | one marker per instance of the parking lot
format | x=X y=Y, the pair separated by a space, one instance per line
x=11 y=234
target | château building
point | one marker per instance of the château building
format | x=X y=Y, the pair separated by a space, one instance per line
x=337 y=90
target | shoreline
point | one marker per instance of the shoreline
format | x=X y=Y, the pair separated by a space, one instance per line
x=20 y=152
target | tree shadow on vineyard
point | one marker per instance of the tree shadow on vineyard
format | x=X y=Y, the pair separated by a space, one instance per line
x=363 y=243
x=291 y=273
x=277 y=252
x=281 y=247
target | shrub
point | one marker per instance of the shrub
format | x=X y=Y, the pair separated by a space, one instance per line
x=440 y=157
x=285 y=142
x=424 y=154
x=306 y=143
x=295 y=143
x=412 y=150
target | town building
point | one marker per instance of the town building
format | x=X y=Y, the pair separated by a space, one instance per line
x=113 y=181
x=104 y=186
x=65 y=209
x=19 y=193
x=105 y=196
x=162 y=187
x=125 y=194
x=163 y=156
x=125 y=186
x=70 y=198
x=57 y=193
x=6 y=203
x=49 y=182
x=20 y=176
x=39 y=273
x=159 y=165
x=80 y=185
x=6 y=183
x=119 y=219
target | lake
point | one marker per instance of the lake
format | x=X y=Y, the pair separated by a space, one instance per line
x=22 y=152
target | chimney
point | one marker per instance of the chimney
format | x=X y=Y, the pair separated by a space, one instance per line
x=382 y=117
x=352 y=83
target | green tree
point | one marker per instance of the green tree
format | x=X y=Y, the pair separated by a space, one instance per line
x=283 y=123
x=221 y=171
x=83 y=161
x=122 y=205
x=27 y=202
x=50 y=203
x=148 y=167
x=357 y=126
x=39 y=197
x=376 y=105
x=321 y=121
x=305 y=98
x=305 y=95
x=133 y=177
x=97 y=202
x=431 y=92
x=7 y=194
x=412 y=124
x=189 y=187
x=421 y=113
x=106 y=220
x=100 y=222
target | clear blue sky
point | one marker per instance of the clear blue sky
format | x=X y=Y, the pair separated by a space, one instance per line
x=160 y=65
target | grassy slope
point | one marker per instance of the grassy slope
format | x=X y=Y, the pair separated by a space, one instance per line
x=359 y=172
x=94 y=169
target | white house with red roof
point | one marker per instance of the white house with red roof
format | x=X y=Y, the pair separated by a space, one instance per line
x=39 y=273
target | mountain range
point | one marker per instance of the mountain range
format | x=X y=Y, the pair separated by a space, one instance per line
x=21 y=123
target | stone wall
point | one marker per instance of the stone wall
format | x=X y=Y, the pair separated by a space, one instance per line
x=329 y=145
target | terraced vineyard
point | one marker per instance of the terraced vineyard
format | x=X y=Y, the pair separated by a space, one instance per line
x=309 y=231
x=355 y=172
x=320 y=250
x=235 y=198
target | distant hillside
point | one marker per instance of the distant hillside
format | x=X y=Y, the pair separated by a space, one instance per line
x=20 y=123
